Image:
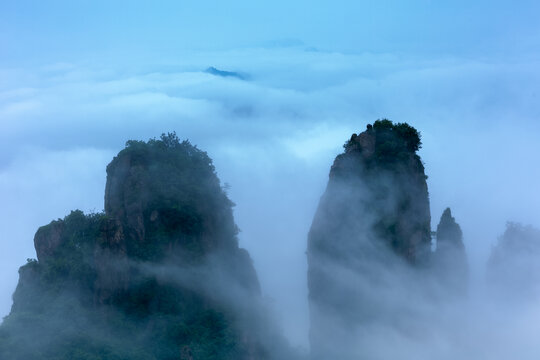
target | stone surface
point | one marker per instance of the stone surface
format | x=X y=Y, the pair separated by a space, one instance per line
x=374 y=213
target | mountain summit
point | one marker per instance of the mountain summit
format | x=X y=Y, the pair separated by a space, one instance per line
x=158 y=275
x=374 y=215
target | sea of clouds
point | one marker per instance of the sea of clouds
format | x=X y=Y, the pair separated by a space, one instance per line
x=273 y=138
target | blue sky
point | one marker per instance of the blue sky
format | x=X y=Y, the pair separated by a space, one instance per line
x=34 y=30
x=79 y=78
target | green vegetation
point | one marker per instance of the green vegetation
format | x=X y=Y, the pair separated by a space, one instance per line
x=139 y=281
x=175 y=182
x=393 y=142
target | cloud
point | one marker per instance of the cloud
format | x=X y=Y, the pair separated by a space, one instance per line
x=272 y=138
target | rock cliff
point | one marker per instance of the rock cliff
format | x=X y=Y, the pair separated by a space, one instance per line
x=450 y=259
x=373 y=215
x=158 y=275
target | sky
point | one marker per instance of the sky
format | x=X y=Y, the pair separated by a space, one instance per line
x=79 y=78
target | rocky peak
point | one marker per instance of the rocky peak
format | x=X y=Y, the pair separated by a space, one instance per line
x=158 y=275
x=450 y=259
x=47 y=240
x=380 y=167
x=449 y=233
x=373 y=215
x=363 y=143
x=168 y=189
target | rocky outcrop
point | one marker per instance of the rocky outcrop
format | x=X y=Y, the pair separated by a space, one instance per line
x=153 y=198
x=158 y=275
x=373 y=214
x=450 y=259
x=47 y=240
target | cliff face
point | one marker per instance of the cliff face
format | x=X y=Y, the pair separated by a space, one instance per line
x=450 y=259
x=374 y=214
x=158 y=275
x=171 y=200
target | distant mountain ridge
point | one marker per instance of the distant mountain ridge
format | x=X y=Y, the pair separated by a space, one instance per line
x=217 y=72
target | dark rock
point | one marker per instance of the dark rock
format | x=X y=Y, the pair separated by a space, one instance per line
x=158 y=275
x=374 y=214
x=47 y=240
x=450 y=259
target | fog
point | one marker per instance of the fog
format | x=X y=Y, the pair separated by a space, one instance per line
x=77 y=82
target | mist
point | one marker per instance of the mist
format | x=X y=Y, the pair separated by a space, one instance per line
x=77 y=81
x=379 y=288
